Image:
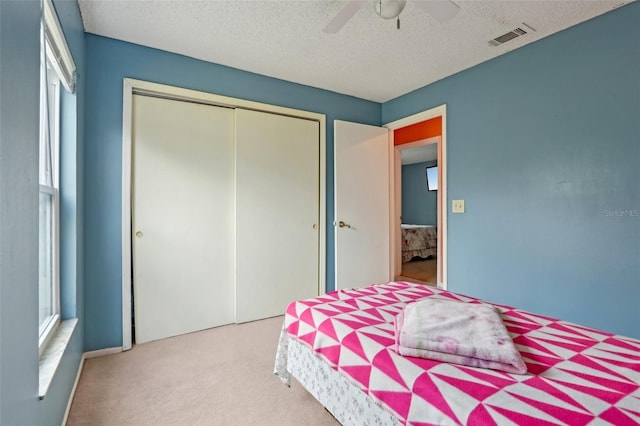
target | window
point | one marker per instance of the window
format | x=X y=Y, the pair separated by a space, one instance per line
x=432 y=178
x=48 y=288
x=56 y=70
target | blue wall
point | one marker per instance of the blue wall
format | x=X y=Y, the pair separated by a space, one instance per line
x=19 y=81
x=419 y=205
x=108 y=62
x=19 y=68
x=538 y=179
x=544 y=147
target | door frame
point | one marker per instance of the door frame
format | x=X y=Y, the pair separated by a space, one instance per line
x=395 y=167
x=133 y=86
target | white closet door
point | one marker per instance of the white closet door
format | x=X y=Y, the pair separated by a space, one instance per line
x=182 y=217
x=277 y=212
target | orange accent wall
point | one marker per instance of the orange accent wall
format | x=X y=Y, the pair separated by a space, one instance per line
x=415 y=132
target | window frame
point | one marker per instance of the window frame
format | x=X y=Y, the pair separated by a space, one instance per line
x=60 y=68
x=49 y=326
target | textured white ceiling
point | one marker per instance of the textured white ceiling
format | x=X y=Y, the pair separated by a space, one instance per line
x=368 y=58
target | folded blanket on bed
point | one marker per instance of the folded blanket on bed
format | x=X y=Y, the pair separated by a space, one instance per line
x=462 y=333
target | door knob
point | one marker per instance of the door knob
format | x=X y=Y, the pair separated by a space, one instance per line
x=139 y=234
x=341 y=224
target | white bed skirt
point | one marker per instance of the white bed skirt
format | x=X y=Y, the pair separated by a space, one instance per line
x=344 y=400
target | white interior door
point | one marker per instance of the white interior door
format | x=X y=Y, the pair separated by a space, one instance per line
x=361 y=205
x=182 y=222
x=277 y=212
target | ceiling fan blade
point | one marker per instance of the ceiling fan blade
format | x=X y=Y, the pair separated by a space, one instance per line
x=343 y=16
x=441 y=10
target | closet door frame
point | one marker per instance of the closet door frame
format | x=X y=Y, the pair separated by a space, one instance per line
x=131 y=87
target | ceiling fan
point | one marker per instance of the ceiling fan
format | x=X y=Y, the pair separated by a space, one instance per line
x=441 y=10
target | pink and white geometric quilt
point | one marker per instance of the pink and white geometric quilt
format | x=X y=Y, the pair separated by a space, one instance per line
x=575 y=375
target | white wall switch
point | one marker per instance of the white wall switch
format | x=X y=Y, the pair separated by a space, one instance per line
x=457 y=206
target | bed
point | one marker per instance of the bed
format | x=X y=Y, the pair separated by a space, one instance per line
x=339 y=346
x=419 y=241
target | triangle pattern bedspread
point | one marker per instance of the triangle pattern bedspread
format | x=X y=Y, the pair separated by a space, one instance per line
x=575 y=374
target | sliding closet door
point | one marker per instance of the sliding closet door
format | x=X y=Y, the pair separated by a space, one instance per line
x=183 y=195
x=277 y=212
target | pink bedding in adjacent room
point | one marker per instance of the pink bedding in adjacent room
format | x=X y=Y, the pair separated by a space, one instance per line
x=575 y=375
x=419 y=241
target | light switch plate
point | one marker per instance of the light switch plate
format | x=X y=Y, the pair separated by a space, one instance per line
x=457 y=206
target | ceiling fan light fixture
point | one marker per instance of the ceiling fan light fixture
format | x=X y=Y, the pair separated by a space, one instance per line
x=389 y=9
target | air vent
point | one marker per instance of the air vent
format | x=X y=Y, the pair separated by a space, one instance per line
x=520 y=31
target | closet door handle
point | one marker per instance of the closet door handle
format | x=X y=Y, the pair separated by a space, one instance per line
x=341 y=224
x=139 y=234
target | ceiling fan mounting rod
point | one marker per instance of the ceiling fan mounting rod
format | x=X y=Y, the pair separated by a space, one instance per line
x=389 y=9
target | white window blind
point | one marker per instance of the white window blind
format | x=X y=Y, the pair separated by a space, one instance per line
x=57 y=49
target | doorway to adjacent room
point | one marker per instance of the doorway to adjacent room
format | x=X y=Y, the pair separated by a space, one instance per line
x=419 y=249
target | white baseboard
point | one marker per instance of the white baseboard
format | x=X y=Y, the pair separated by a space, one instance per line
x=73 y=391
x=102 y=352
x=86 y=355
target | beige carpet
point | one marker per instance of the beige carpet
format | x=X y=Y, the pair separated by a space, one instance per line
x=425 y=270
x=221 y=376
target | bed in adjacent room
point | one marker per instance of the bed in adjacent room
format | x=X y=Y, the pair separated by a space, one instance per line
x=342 y=347
x=419 y=241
